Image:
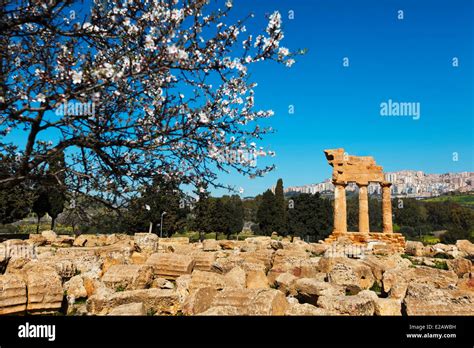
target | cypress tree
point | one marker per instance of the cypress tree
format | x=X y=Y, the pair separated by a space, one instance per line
x=281 y=213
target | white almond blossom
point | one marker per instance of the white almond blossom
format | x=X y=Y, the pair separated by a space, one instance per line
x=136 y=61
x=76 y=77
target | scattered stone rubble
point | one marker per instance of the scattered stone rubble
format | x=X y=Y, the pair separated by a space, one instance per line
x=147 y=275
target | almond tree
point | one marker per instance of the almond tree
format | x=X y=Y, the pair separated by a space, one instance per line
x=130 y=90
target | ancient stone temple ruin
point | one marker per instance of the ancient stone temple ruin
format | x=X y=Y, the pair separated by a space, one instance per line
x=361 y=170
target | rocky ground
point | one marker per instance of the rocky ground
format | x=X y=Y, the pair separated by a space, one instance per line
x=146 y=275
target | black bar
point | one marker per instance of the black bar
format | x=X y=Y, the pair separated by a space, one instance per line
x=242 y=331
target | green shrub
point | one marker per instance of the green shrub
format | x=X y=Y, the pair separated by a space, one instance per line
x=376 y=288
x=6 y=229
x=441 y=265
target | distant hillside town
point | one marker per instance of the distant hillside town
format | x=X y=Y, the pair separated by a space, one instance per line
x=405 y=183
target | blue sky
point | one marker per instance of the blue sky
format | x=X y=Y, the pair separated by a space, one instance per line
x=407 y=60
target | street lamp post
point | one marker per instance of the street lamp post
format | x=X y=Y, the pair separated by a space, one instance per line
x=161 y=225
x=147 y=207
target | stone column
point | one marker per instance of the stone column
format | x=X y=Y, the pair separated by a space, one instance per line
x=386 y=207
x=363 y=209
x=340 y=214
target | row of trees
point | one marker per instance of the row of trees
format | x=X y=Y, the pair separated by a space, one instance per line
x=45 y=194
x=416 y=218
x=304 y=215
x=224 y=214
x=307 y=215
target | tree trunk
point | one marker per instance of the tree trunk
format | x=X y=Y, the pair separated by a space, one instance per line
x=53 y=219
x=38 y=224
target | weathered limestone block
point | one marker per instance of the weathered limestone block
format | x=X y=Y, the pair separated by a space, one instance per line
x=161 y=283
x=254 y=243
x=45 y=291
x=466 y=283
x=158 y=301
x=204 y=261
x=289 y=256
x=414 y=248
x=85 y=259
x=296 y=262
x=351 y=274
x=174 y=240
x=169 y=244
x=15 y=254
x=63 y=242
x=256 y=279
x=116 y=254
x=138 y=258
x=235 y=278
x=286 y=283
x=37 y=239
x=396 y=281
x=45 y=252
x=119 y=238
x=305 y=309
x=49 y=235
x=388 y=306
x=95 y=286
x=65 y=268
x=383 y=306
x=383 y=248
x=182 y=286
x=380 y=263
x=308 y=268
x=309 y=290
x=210 y=245
x=268 y=302
x=302 y=268
x=424 y=299
x=368 y=294
x=443 y=248
x=276 y=244
x=459 y=266
x=225 y=263
x=317 y=248
x=261 y=255
x=348 y=305
x=253 y=265
x=90 y=240
x=438 y=277
x=130 y=309
x=170 y=266
x=221 y=310
x=353 y=247
x=252 y=301
x=75 y=288
x=199 y=301
x=296 y=245
x=466 y=247
x=112 y=261
x=230 y=244
x=128 y=277
x=204 y=279
x=12 y=294
x=146 y=242
x=184 y=249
